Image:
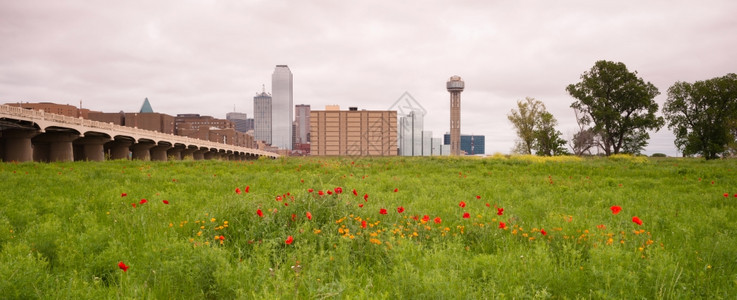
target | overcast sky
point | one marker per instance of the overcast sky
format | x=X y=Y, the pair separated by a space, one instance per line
x=208 y=57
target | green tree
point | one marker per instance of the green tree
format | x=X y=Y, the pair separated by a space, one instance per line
x=535 y=128
x=620 y=105
x=702 y=115
x=547 y=139
x=523 y=119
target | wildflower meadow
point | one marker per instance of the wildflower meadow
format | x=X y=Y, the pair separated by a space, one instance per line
x=379 y=228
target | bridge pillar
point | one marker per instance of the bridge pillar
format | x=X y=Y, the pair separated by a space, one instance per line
x=92 y=148
x=211 y=155
x=17 y=145
x=200 y=154
x=54 y=146
x=158 y=152
x=119 y=148
x=188 y=153
x=141 y=151
x=175 y=153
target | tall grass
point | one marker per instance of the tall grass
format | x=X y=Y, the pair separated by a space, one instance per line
x=64 y=227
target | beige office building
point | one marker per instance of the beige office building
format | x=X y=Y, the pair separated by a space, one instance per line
x=353 y=132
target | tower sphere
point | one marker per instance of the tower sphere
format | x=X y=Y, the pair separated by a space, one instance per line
x=455 y=84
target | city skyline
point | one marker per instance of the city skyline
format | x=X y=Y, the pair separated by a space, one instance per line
x=111 y=56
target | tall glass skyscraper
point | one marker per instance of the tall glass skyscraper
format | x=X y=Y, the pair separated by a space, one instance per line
x=262 y=117
x=282 y=108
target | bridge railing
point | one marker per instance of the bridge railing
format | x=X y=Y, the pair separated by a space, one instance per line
x=143 y=133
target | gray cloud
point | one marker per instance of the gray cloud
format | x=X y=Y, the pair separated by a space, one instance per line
x=207 y=56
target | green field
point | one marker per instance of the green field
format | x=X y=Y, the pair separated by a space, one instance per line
x=66 y=227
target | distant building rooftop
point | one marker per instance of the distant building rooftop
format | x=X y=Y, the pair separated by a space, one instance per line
x=146 y=107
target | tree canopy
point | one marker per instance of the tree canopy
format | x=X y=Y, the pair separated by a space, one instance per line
x=703 y=115
x=535 y=128
x=523 y=119
x=620 y=105
x=547 y=139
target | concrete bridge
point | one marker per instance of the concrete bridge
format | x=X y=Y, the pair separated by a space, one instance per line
x=27 y=135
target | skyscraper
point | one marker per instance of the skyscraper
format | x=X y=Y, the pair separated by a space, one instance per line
x=455 y=86
x=302 y=118
x=282 y=107
x=262 y=117
x=239 y=119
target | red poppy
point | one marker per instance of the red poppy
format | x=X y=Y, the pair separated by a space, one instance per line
x=248 y=187
x=478 y=196
x=286 y=204
x=396 y=190
x=222 y=238
x=488 y=205
x=339 y=190
x=382 y=211
x=616 y=209
x=124 y=194
x=426 y=218
x=310 y=190
x=278 y=198
x=726 y=194
x=466 y=215
x=502 y=225
x=637 y=220
x=133 y=204
x=309 y=216
x=601 y=226
x=543 y=232
x=500 y=211
x=462 y=204
x=438 y=220
x=321 y=193
x=415 y=217
x=143 y=201
x=165 y=201
x=360 y=205
x=365 y=197
x=294 y=217
x=289 y=240
x=355 y=193
x=330 y=192
x=363 y=224
x=123 y=267
x=260 y=213
x=238 y=191
x=400 y=209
